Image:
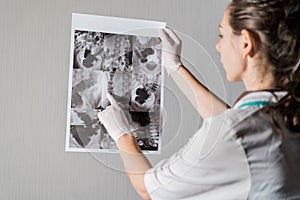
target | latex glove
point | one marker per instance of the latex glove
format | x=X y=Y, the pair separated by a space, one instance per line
x=171 y=50
x=114 y=120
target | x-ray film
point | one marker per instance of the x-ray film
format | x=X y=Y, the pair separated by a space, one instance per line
x=122 y=57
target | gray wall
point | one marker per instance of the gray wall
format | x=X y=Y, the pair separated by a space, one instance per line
x=34 y=52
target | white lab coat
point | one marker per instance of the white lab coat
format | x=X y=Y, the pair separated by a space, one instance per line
x=235 y=155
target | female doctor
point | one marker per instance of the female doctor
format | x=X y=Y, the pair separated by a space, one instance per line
x=249 y=151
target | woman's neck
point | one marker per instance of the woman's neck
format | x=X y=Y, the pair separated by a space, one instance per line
x=259 y=85
x=258 y=80
x=258 y=74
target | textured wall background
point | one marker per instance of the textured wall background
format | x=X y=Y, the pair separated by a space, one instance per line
x=34 y=53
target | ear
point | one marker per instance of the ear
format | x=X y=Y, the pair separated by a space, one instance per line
x=247 y=43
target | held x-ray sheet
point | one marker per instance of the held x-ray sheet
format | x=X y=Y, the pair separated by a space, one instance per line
x=119 y=56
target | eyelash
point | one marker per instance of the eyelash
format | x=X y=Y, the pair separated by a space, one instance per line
x=220 y=36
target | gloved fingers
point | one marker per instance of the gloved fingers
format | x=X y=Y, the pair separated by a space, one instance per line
x=172 y=35
x=166 y=37
x=102 y=114
x=108 y=108
x=112 y=100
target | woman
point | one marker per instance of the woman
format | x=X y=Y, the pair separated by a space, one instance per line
x=250 y=151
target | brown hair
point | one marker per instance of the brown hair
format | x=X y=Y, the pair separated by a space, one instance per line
x=274 y=25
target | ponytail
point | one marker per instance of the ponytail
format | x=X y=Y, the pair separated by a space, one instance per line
x=289 y=106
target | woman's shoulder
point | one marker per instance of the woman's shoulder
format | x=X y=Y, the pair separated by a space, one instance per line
x=229 y=123
x=233 y=116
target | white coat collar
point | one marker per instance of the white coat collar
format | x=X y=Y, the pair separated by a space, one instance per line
x=258 y=98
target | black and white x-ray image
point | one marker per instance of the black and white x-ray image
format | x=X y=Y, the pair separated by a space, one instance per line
x=108 y=59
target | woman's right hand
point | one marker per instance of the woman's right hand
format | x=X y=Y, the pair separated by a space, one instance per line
x=114 y=119
x=171 y=50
